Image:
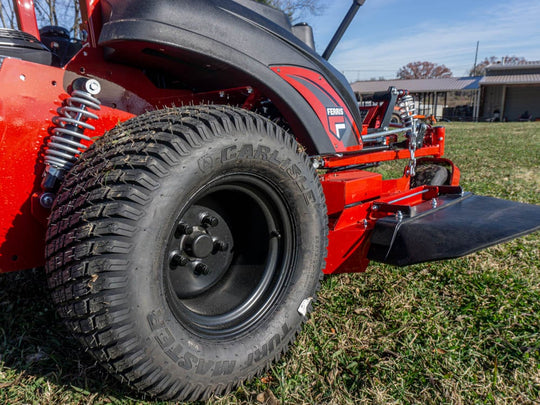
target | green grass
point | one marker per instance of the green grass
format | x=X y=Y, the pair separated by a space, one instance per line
x=458 y=332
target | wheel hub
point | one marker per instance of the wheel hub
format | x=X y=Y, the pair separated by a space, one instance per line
x=229 y=255
x=199 y=251
x=199 y=246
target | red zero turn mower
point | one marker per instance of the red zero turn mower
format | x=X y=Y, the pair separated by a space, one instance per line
x=186 y=172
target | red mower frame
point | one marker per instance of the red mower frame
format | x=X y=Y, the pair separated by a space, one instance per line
x=24 y=84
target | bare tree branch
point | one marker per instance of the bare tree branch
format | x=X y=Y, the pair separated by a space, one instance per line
x=7 y=14
x=2 y=19
x=76 y=19
x=296 y=9
x=480 y=68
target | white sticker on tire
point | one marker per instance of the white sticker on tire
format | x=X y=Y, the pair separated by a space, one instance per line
x=302 y=309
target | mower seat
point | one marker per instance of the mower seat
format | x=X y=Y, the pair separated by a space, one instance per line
x=19 y=44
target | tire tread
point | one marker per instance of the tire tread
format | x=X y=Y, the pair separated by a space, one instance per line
x=95 y=214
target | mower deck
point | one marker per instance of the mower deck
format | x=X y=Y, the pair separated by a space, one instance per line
x=448 y=226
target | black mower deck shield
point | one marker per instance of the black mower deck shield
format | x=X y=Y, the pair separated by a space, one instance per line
x=461 y=224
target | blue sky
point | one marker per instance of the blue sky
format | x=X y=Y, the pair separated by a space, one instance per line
x=387 y=34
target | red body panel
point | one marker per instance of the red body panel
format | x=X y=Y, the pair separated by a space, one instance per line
x=91 y=17
x=350 y=196
x=302 y=79
x=346 y=188
x=31 y=95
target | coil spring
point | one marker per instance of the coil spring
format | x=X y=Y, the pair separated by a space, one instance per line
x=66 y=143
x=407 y=110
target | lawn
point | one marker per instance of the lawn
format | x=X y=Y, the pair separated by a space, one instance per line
x=460 y=332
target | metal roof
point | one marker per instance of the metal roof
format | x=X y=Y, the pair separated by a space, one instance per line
x=533 y=78
x=533 y=64
x=419 y=85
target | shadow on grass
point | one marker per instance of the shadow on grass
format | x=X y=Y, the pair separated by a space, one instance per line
x=35 y=344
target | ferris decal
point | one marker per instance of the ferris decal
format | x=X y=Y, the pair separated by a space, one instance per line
x=336 y=121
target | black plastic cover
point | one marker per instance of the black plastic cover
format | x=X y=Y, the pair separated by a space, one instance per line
x=464 y=225
x=214 y=44
x=19 y=44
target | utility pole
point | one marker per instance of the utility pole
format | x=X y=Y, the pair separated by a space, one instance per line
x=475 y=58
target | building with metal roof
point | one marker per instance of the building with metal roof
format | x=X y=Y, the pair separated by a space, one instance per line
x=511 y=90
x=506 y=91
x=419 y=85
x=431 y=95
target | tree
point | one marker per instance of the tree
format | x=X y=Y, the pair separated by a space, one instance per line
x=423 y=70
x=480 y=68
x=295 y=8
x=7 y=15
x=65 y=13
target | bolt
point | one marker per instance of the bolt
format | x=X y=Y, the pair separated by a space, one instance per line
x=92 y=86
x=183 y=229
x=221 y=246
x=46 y=200
x=375 y=207
x=178 y=260
x=434 y=203
x=209 y=220
x=201 y=268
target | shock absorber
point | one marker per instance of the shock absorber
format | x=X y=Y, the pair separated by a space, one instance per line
x=407 y=111
x=65 y=144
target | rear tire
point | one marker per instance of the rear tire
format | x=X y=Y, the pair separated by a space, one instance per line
x=185 y=247
x=430 y=175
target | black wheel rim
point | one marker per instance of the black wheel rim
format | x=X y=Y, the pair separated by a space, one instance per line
x=229 y=255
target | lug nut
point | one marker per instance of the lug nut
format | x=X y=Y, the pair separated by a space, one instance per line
x=209 y=220
x=221 y=246
x=183 y=229
x=178 y=260
x=201 y=268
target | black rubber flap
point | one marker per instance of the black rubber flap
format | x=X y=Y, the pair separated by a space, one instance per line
x=463 y=226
